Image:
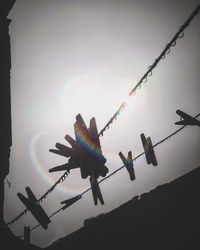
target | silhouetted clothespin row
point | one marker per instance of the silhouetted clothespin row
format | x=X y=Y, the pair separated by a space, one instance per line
x=150 y=157
x=148 y=150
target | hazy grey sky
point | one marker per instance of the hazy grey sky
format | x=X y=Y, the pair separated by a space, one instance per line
x=71 y=57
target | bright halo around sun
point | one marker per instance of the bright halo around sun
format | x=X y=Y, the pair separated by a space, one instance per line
x=91 y=95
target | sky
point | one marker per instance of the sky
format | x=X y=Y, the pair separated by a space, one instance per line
x=85 y=56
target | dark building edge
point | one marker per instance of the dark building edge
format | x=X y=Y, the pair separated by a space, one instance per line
x=7 y=238
x=5 y=99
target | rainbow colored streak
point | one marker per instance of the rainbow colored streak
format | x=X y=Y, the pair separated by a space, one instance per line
x=87 y=143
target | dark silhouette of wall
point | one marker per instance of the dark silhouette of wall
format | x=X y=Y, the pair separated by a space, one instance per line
x=5 y=102
x=7 y=239
x=5 y=7
x=164 y=218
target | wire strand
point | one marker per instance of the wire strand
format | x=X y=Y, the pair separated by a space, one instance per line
x=144 y=78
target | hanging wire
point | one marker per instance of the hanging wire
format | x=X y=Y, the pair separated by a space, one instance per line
x=179 y=34
x=117 y=170
x=172 y=43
